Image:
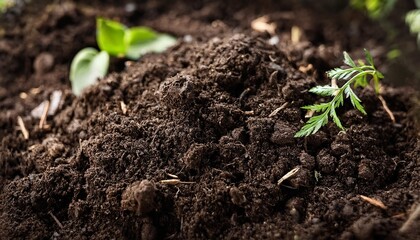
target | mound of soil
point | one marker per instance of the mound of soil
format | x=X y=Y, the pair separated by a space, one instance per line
x=192 y=143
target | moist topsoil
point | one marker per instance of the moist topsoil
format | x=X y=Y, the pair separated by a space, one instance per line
x=191 y=143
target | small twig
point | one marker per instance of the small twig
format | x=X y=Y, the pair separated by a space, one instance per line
x=387 y=110
x=172 y=175
x=174 y=182
x=277 y=110
x=123 y=107
x=244 y=93
x=288 y=175
x=406 y=226
x=23 y=128
x=249 y=113
x=56 y=220
x=295 y=34
x=374 y=202
x=272 y=75
x=43 y=118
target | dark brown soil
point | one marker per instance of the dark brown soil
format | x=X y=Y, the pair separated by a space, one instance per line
x=199 y=151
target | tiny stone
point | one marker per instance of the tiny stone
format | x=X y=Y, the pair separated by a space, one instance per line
x=237 y=196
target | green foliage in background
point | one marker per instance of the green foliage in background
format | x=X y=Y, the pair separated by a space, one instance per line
x=374 y=8
x=113 y=39
x=4 y=4
x=120 y=41
x=412 y=18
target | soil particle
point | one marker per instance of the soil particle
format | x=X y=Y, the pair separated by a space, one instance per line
x=197 y=155
x=237 y=196
x=370 y=228
x=325 y=162
x=283 y=133
x=303 y=178
x=43 y=63
x=307 y=160
x=139 y=197
x=341 y=145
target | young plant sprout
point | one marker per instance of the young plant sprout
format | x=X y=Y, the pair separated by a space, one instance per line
x=356 y=75
x=115 y=39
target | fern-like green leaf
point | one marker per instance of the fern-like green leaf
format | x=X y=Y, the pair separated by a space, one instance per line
x=317 y=107
x=348 y=60
x=356 y=75
x=324 y=90
x=355 y=100
x=368 y=57
x=313 y=125
x=335 y=118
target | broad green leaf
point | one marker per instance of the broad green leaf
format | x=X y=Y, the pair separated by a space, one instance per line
x=87 y=66
x=348 y=60
x=137 y=35
x=110 y=37
x=412 y=18
x=160 y=44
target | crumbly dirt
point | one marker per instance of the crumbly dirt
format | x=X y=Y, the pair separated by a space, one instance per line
x=191 y=143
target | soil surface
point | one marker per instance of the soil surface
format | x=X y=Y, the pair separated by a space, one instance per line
x=191 y=143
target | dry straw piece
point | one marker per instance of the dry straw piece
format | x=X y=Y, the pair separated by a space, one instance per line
x=374 y=202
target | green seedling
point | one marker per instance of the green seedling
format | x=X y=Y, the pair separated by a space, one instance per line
x=355 y=76
x=114 y=39
x=88 y=65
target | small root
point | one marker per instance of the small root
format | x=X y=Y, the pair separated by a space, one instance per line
x=407 y=225
x=56 y=220
x=387 y=110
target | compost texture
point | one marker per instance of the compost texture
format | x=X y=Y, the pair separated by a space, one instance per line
x=191 y=143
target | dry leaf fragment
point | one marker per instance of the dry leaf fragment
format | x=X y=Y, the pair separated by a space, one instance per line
x=174 y=182
x=123 y=107
x=374 y=202
x=261 y=25
x=288 y=175
x=296 y=34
